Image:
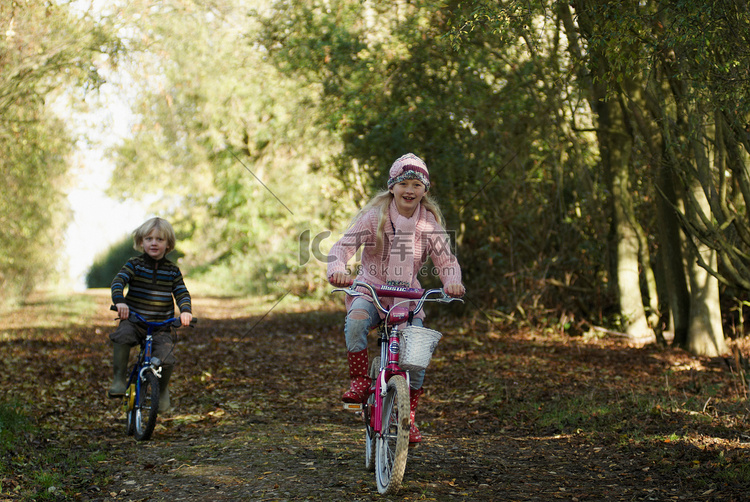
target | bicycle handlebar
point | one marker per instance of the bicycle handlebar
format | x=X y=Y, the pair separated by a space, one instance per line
x=377 y=290
x=174 y=321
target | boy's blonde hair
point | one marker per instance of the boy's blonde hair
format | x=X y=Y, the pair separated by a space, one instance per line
x=163 y=228
x=382 y=201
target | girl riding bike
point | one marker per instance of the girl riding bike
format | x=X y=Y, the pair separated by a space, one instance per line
x=398 y=229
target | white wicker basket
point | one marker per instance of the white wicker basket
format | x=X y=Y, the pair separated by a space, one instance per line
x=416 y=347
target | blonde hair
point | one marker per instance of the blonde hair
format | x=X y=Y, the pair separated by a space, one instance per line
x=162 y=226
x=382 y=202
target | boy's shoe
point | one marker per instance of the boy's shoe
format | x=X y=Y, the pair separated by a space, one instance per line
x=164 y=403
x=120 y=356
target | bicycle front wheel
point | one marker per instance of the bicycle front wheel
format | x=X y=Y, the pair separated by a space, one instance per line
x=129 y=406
x=147 y=407
x=392 y=447
x=369 y=431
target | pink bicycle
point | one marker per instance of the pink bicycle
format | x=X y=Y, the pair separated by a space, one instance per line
x=386 y=411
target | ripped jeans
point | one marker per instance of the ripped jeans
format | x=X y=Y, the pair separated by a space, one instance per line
x=361 y=317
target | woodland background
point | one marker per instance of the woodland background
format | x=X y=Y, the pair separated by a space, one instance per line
x=590 y=156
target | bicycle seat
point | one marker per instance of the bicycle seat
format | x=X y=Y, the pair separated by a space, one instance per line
x=397 y=315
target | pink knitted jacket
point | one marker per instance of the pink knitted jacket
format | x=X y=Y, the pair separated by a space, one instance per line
x=431 y=240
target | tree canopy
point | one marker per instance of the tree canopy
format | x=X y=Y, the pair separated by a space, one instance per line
x=589 y=158
x=45 y=50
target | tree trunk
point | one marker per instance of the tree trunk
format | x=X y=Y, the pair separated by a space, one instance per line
x=705 y=331
x=671 y=245
x=615 y=144
x=615 y=149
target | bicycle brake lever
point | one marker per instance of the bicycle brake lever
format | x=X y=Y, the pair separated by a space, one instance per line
x=446 y=298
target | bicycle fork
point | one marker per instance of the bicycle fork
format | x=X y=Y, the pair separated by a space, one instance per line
x=137 y=376
x=390 y=353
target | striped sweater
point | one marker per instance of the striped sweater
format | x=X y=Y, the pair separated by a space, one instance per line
x=151 y=286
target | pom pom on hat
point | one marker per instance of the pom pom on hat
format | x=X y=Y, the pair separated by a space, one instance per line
x=409 y=167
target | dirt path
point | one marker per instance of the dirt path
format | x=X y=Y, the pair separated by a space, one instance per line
x=511 y=418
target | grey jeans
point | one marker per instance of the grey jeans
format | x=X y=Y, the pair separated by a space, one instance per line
x=360 y=319
x=130 y=334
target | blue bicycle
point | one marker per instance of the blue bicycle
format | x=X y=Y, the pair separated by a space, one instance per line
x=142 y=394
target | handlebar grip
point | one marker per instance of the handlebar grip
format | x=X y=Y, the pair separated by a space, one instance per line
x=178 y=324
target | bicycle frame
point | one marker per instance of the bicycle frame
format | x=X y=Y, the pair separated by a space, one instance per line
x=388 y=332
x=145 y=361
x=389 y=352
x=140 y=376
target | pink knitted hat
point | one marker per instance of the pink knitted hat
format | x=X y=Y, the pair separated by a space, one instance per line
x=409 y=167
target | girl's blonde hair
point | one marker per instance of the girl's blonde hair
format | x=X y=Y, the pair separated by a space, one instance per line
x=382 y=201
x=162 y=226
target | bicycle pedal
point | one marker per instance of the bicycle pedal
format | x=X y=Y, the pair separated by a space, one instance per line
x=356 y=407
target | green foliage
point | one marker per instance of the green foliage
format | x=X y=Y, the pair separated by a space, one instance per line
x=681 y=67
x=31 y=203
x=251 y=95
x=44 y=48
x=230 y=144
x=492 y=119
x=13 y=423
x=328 y=95
x=470 y=19
x=107 y=265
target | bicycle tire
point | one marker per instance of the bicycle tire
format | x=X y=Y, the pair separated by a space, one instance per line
x=392 y=447
x=375 y=367
x=147 y=407
x=369 y=432
x=129 y=407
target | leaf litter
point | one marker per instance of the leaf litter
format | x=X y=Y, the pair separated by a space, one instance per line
x=508 y=414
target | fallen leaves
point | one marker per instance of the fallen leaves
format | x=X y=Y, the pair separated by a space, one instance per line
x=258 y=416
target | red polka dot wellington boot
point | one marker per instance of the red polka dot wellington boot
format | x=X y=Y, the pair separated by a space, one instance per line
x=414 y=435
x=359 y=376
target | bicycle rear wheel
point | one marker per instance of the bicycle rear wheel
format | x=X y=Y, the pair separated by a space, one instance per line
x=369 y=432
x=392 y=447
x=147 y=407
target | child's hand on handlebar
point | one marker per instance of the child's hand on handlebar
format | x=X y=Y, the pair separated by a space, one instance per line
x=455 y=290
x=340 y=279
x=123 y=310
x=185 y=318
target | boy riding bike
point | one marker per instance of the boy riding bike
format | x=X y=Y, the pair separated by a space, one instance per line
x=153 y=281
